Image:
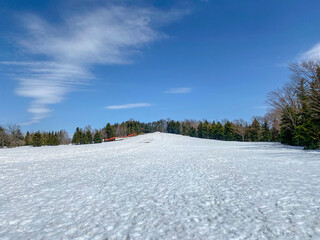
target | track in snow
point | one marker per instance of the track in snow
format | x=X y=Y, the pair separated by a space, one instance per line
x=160 y=186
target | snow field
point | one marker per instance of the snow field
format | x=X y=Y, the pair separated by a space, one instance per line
x=160 y=186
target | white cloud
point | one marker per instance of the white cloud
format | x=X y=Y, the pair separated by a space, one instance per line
x=101 y=36
x=178 y=90
x=126 y=106
x=314 y=52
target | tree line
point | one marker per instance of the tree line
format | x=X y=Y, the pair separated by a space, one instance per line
x=88 y=136
x=12 y=136
x=260 y=129
x=293 y=119
x=52 y=138
x=238 y=130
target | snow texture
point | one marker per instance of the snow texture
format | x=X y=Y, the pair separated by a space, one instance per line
x=160 y=186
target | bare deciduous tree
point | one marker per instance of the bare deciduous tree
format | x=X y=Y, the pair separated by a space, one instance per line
x=281 y=98
x=3 y=137
x=241 y=127
x=121 y=130
x=15 y=136
x=64 y=137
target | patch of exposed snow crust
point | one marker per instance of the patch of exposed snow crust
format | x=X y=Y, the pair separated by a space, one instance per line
x=160 y=186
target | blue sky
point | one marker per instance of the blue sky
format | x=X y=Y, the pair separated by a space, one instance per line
x=72 y=63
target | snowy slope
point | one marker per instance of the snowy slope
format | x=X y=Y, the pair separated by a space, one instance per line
x=160 y=186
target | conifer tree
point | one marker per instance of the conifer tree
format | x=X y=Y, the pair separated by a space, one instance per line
x=170 y=127
x=265 y=132
x=111 y=132
x=205 y=129
x=184 y=130
x=315 y=109
x=255 y=131
x=228 y=131
x=304 y=132
x=76 y=136
x=200 y=131
x=83 y=138
x=55 y=139
x=37 y=139
x=213 y=130
x=219 y=131
x=97 y=137
x=89 y=136
x=287 y=126
x=177 y=128
x=27 y=139
x=192 y=132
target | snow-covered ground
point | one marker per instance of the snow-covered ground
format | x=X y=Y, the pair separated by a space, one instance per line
x=160 y=186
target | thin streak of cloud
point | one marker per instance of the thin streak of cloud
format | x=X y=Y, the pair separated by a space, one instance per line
x=104 y=36
x=127 y=106
x=262 y=107
x=179 y=90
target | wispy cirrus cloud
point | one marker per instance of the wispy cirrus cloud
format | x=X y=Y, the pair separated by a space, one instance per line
x=179 y=90
x=314 y=52
x=127 y=106
x=68 y=49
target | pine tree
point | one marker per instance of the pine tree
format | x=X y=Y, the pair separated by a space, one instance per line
x=301 y=131
x=287 y=126
x=137 y=127
x=184 y=130
x=213 y=130
x=315 y=109
x=229 y=131
x=111 y=132
x=200 y=131
x=55 y=139
x=171 y=127
x=265 y=132
x=89 y=136
x=76 y=136
x=37 y=139
x=177 y=128
x=44 y=138
x=28 y=139
x=205 y=129
x=255 y=131
x=83 y=138
x=192 y=132
x=219 y=131
x=97 y=137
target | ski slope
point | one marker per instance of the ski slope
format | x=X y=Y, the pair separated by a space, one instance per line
x=160 y=186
